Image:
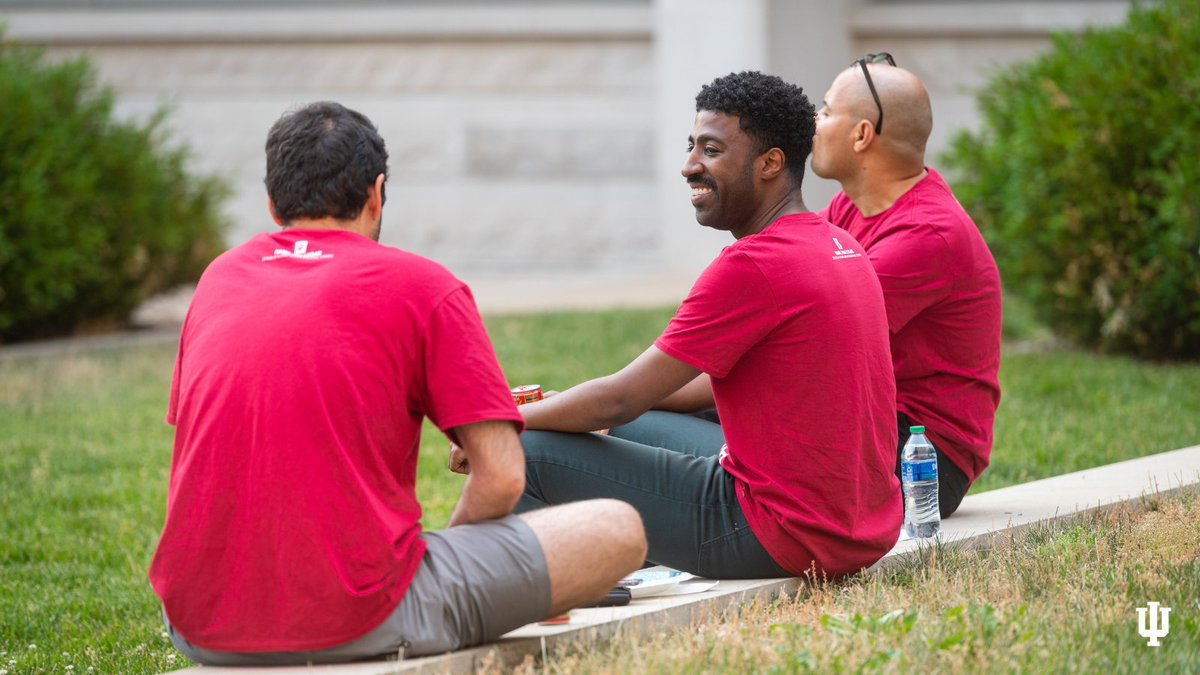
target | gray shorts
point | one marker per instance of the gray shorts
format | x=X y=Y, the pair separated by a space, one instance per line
x=475 y=583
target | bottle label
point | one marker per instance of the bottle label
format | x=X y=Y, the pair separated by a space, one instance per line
x=919 y=471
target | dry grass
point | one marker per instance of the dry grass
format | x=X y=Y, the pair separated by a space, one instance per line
x=1058 y=598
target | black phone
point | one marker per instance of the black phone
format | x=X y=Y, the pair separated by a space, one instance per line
x=617 y=597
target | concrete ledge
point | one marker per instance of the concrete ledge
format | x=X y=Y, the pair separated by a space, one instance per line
x=1010 y=510
x=979 y=519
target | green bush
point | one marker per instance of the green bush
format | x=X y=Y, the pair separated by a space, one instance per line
x=95 y=214
x=1085 y=179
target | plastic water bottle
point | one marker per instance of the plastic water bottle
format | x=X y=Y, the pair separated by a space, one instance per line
x=919 y=477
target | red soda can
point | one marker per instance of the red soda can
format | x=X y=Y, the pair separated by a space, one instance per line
x=527 y=393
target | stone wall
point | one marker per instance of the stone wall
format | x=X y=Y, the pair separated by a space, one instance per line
x=519 y=141
x=952 y=46
x=526 y=139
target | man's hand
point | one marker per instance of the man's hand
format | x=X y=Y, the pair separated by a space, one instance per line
x=458 y=460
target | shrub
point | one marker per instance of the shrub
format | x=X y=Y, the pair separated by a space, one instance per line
x=95 y=214
x=1085 y=179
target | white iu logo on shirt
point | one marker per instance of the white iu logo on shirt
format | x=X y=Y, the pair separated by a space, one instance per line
x=299 y=251
x=843 y=252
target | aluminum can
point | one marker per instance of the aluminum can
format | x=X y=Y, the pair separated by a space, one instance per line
x=527 y=393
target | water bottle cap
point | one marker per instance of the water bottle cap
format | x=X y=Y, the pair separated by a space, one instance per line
x=916 y=430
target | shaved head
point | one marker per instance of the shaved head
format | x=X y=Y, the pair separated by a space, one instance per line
x=908 y=115
x=869 y=157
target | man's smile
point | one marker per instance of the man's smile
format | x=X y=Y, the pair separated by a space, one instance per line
x=700 y=190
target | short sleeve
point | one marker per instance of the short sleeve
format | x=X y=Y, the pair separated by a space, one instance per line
x=464 y=383
x=729 y=310
x=173 y=401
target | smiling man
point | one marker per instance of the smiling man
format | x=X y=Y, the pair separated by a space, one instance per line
x=785 y=333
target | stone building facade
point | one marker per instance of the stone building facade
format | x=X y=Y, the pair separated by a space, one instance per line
x=527 y=139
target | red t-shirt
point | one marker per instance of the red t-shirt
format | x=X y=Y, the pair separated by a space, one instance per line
x=307 y=362
x=790 y=325
x=942 y=292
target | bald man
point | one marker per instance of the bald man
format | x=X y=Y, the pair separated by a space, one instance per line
x=940 y=283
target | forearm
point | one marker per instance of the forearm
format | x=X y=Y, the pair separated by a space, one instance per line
x=592 y=405
x=611 y=401
x=492 y=454
x=480 y=501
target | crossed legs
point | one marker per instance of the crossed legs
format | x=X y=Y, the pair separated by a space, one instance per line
x=687 y=502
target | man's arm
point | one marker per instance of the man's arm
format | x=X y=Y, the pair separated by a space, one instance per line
x=612 y=400
x=497 y=471
x=692 y=397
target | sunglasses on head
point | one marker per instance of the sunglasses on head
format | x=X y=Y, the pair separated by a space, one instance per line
x=881 y=57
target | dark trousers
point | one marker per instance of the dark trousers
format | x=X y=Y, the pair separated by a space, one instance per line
x=952 y=482
x=665 y=466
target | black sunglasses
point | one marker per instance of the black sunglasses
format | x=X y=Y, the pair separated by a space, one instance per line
x=881 y=57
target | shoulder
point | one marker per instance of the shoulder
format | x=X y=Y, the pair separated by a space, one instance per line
x=232 y=257
x=930 y=215
x=935 y=202
x=788 y=237
x=397 y=262
x=795 y=248
x=423 y=281
x=737 y=261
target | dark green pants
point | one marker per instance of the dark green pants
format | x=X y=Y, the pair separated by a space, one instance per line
x=665 y=466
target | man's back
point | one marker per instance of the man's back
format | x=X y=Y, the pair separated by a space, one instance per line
x=942 y=291
x=304 y=371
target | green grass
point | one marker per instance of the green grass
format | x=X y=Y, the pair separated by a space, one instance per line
x=1061 y=598
x=84 y=456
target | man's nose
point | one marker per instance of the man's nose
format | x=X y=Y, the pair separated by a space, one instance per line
x=691 y=166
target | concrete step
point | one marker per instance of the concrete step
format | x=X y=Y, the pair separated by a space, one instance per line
x=979 y=519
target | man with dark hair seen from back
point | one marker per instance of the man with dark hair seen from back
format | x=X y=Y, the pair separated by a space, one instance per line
x=940 y=283
x=308 y=361
x=785 y=333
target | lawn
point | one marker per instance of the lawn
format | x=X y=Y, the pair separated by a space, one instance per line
x=1058 y=599
x=84 y=456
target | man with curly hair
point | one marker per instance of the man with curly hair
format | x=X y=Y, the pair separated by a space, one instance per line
x=940 y=283
x=785 y=332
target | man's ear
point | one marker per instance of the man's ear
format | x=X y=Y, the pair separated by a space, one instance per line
x=772 y=163
x=274 y=216
x=374 y=205
x=863 y=135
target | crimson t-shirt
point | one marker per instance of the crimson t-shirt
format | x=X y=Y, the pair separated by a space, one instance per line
x=307 y=363
x=942 y=292
x=790 y=325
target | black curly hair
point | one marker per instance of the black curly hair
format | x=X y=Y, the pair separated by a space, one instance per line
x=773 y=113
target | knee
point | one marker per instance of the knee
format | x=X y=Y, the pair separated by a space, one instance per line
x=626 y=532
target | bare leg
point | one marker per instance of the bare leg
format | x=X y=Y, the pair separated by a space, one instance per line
x=589 y=546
